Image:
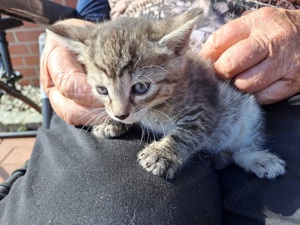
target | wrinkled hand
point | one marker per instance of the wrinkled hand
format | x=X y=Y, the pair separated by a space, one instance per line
x=64 y=82
x=260 y=52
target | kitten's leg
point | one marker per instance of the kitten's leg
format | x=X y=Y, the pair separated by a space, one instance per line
x=159 y=159
x=262 y=163
x=109 y=130
x=166 y=157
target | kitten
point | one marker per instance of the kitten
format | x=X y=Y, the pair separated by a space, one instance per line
x=143 y=72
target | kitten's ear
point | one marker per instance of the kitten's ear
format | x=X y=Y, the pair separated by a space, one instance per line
x=73 y=37
x=181 y=28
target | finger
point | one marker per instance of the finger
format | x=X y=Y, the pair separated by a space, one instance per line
x=276 y=92
x=69 y=77
x=241 y=56
x=45 y=78
x=258 y=77
x=77 y=114
x=226 y=36
x=51 y=45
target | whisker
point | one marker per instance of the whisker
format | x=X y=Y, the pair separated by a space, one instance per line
x=84 y=126
x=141 y=124
x=96 y=121
x=137 y=62
x=157 y=119
x=148 y=133
x=96 y=118
x=154 y=137
x=83 y=94
x=146 y=130
x=91 y=111
x=155 y=66
x=147 y=78
x=162 y=113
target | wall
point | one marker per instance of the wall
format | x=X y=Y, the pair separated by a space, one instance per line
x=24 y=49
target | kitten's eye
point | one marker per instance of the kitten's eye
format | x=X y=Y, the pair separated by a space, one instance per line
x=102 y=90
x=140 y=88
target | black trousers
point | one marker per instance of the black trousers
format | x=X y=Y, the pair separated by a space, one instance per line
x=73 y=178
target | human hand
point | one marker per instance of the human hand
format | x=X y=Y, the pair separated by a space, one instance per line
x=64 y=82
x=260 y=52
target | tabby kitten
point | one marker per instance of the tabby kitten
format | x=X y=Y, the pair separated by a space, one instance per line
x=144 y=72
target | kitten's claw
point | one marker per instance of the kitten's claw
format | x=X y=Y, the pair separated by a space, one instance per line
x=153 y=160
x=270 y=167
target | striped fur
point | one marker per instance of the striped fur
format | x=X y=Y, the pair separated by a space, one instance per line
x=185 y=102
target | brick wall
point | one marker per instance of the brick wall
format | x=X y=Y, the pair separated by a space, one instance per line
x=24 y=49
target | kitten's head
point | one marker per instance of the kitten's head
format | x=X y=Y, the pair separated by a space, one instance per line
x=133 y=65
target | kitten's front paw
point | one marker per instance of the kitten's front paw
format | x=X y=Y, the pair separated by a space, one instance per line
x=109 y=130
x=156 y=161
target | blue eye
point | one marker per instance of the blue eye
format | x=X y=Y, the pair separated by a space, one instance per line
x=140 y=88
x=102 y=90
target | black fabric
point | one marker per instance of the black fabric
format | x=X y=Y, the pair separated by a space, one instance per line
x=248 y=200
x=72 y=178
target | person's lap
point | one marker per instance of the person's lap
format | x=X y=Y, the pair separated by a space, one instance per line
x=72 y=178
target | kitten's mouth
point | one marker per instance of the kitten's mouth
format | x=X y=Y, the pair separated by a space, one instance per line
x=127 y=120
x=132 y=118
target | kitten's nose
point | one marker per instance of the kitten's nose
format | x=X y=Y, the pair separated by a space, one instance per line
x=122 y=117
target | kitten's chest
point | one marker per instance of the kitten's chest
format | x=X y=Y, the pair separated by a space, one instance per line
x=158 y=125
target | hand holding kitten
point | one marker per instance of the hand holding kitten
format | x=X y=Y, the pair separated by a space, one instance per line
x=260 y=52
x=64 y=82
